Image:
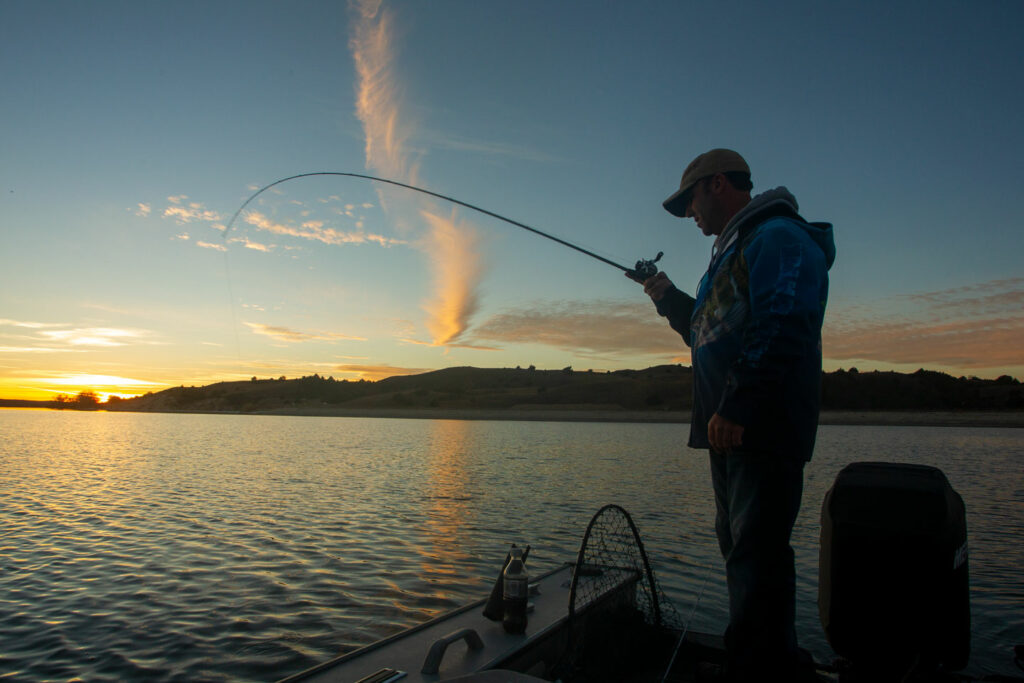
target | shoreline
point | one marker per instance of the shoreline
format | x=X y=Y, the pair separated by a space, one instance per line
x=909 y=418
x=879 y=418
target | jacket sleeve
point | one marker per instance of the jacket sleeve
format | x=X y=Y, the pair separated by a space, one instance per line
x=677 y=306
x=787 y=280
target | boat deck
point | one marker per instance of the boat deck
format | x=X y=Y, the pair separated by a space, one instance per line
x=408 y=651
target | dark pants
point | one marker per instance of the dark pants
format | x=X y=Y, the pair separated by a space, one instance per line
x=757 y=499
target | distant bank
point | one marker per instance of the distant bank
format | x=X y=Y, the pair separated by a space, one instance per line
x=657 y=394
x=899 y=418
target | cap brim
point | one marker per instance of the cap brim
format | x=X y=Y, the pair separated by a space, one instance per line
x=678 y=202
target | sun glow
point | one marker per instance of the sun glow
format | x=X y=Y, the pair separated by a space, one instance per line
x=93 y=381
x=72 y=384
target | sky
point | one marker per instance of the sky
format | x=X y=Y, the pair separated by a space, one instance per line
x=133 y=131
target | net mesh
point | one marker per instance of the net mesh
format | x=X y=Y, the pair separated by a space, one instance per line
x=618 y=613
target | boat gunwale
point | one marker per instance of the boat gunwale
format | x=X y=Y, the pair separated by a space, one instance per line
x=377 y=644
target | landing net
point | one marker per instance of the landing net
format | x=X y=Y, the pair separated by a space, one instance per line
x=618 y=613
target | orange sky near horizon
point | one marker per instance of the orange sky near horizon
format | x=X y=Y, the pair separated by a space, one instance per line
x=595 y=336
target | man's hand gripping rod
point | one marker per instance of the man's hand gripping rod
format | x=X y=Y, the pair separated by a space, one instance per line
x=644 y=269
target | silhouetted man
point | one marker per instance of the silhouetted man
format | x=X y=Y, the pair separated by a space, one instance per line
x=754 y=329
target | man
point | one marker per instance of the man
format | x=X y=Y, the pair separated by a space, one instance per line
x=755 y=333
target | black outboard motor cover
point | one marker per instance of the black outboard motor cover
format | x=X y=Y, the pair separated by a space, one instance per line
x=892 y=590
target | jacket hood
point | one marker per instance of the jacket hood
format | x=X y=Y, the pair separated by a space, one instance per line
x=780 y=202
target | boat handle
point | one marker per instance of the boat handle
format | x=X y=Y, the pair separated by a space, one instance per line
x=433 y=661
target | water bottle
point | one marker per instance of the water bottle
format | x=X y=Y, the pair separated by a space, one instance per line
x=515 y=593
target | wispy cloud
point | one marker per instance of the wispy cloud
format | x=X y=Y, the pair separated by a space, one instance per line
x=458 y=345
x=60 y=337
x=449 y=141
x=28 y=324
x=376 y=372
x=450 y=243
x=367 y=371
x=315 y=230
x=186 y=212
x=257 y=246
x=599 y=329
x=983 y=298
x=96 y=381
x=457 y=270
x=34 y=349
x=143 y=209
x=211 y=245
x=377 y=92
x=286 y=334
x=973 y=327
x=92 y=336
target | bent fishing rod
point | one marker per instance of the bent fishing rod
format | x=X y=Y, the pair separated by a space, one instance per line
x=643 y=269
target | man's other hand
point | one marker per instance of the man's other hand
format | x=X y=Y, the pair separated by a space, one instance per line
x=656 y=286
x=723 y=434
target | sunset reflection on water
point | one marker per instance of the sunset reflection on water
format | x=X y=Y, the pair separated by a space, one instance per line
x=199 y=546
x=448 y=493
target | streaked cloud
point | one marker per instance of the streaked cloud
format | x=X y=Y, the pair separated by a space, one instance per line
x=53 y=337
x=376 y=372
x=457 y=269
x=449 y=141
x=88 y=380
x=257 y=246
x=183 y=212
x=286 y=334
x=28 y=324
x=92 y=336
x=211 y=245
x=34 y=349
x=314 y=230
x=143 y=209
x=450 y=244
x=386 y=130
x=367 y=371
x=984 y=298
x=600 y=329
x=972 y=327
x=459 y=345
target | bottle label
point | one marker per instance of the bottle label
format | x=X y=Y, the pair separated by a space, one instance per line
x=515 y=588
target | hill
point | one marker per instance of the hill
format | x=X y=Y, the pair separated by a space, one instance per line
x=659 y=388
x=663 y=387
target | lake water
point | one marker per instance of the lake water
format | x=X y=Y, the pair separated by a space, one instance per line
x=207 y=547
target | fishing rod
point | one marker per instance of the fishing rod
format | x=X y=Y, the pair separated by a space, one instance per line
x=643 y=269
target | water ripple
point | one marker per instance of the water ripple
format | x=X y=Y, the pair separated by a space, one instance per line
x=215 y=548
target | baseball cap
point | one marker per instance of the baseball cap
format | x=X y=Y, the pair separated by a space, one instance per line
x=707 y=164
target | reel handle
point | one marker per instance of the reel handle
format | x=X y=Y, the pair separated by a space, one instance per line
x=644 y=269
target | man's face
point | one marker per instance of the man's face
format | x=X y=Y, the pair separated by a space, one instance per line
x=704 y=207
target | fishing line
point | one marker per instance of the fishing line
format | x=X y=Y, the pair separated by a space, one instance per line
x=231 y=307
x=682 y=636
x=640 y=272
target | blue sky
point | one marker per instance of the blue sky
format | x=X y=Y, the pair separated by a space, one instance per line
x=132 y=131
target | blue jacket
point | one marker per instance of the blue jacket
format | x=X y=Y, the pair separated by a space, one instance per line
x=754 y=327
